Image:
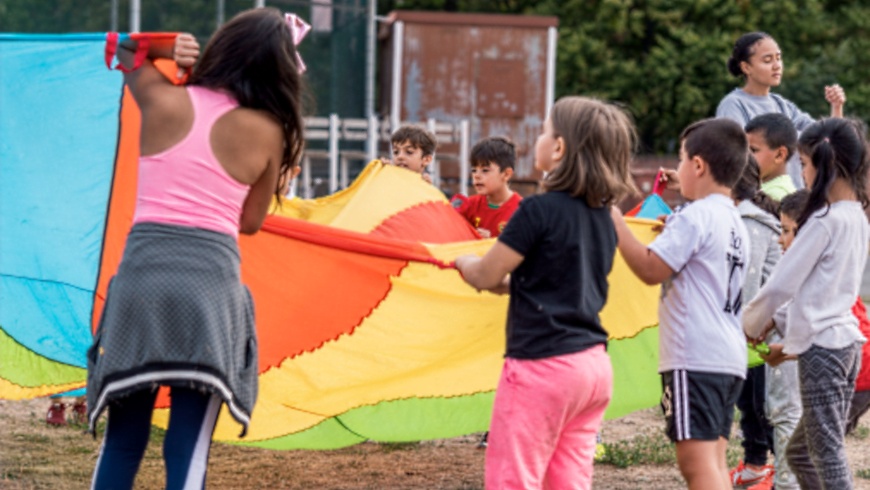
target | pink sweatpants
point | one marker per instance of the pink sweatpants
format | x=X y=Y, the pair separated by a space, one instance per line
x=544 y=421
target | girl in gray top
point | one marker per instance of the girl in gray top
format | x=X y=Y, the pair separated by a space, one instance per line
x=822 y=273
x=757 y=59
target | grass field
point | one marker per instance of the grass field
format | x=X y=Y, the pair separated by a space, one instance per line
x=34 y=455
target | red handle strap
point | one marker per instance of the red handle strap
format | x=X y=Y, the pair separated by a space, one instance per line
x=111 y=48
x=144 y=42
x=658 y=184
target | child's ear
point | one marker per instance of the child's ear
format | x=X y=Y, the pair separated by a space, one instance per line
x=699 y=166
x=427 y=159
x=559 y=149
x=781 y=154
x=508 y=173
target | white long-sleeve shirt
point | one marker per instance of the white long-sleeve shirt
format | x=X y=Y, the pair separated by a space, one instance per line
x=822 y=272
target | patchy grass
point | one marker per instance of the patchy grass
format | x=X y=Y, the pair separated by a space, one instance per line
x=734 y=452
x=389 y=447
x=861 y=432
x=26 y=438
x=644 y=449
x=35 y=456
x=654 y=449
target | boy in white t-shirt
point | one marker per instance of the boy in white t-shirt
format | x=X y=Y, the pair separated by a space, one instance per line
x=699 y=260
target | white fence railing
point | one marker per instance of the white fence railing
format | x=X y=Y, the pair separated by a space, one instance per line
x=334 y=161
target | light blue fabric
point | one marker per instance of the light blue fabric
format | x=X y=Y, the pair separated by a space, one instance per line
x=58 y=137
x=653 y=207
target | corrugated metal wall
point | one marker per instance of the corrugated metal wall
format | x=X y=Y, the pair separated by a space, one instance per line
x=488 y=69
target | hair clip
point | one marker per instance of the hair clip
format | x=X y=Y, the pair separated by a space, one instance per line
x=298 y=29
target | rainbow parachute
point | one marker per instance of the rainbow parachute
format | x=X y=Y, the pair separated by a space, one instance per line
x=365 y=332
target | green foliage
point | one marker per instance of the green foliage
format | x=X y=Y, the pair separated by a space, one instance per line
x=651 y=57
x=863 y=473
x=664 y=60
x=58 y=16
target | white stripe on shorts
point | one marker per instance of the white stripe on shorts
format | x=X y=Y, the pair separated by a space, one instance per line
x=681 y=404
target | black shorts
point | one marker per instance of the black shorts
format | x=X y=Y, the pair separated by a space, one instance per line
x=699 y=405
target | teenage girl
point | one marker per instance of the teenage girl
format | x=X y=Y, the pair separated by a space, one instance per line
x=821 y=274
x=554 y=256
x=177 y=313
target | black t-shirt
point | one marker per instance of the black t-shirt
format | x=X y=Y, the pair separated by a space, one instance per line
x=560 y=286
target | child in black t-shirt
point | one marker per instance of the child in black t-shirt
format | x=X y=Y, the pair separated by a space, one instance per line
x=558 y=249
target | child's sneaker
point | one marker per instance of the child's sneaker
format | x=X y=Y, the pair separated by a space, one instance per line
x=79 y=414
x=56 y=414
x=483 y=441
x=743 y=476
x=765 y=484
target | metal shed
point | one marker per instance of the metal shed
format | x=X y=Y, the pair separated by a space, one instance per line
x=496 y=71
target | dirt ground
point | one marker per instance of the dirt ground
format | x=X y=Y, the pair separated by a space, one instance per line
x=34 y=455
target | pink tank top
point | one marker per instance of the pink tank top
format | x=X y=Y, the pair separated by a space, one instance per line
x=185 y=184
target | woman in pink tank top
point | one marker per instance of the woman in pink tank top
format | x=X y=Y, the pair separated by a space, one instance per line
x=214 y=153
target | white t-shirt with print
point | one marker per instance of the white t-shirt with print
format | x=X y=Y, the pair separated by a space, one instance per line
x=707 y=246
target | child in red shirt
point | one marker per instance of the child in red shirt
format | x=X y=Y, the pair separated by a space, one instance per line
x=861 y=398
x=492 y=166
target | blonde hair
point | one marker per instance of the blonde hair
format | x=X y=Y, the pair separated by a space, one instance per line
x=600 y=140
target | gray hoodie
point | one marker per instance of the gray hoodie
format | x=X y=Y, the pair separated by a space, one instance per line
x=764 y=250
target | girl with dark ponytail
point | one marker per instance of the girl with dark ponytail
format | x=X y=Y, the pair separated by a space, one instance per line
x=834 y=160
x=213 y=153
x=821 y=275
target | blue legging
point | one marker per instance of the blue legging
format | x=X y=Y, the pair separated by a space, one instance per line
x=192 y=418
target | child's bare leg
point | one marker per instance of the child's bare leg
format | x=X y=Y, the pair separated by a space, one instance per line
x=702 y=464
x=721 y=449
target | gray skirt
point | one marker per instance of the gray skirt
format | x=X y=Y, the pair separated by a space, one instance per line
x=176 y=314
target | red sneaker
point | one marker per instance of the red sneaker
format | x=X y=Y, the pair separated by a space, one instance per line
x=79 y=414
x=765 y=484
x=743 y=476
x=56 y=414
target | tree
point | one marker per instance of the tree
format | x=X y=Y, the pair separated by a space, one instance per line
x=664 y=60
